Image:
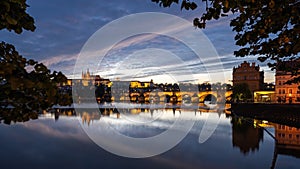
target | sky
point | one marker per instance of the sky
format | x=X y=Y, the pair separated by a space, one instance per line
x=64 y=29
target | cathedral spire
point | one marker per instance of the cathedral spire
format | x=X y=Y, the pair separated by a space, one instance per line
x=88 y=72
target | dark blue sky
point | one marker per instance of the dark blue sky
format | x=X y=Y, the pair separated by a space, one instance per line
x=63 y=27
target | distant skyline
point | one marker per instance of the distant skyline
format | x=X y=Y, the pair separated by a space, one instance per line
x=63 y=27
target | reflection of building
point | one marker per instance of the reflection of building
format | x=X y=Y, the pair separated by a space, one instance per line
x=245 y=135
x=87 y=117
x=288 y=140
x=62 y=112
x=249 y=74
x=286 y=93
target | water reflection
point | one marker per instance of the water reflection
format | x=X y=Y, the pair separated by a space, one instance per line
x=245 y=140
x=89 y=114
x=245 y=135
x=8 y=115
x=287 y=142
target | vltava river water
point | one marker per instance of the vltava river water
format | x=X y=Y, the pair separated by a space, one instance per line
x=61 y=141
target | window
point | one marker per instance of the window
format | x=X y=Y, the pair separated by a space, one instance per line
x=290 y=91
x=283 y=91
x=279 y=83
x=290 y=136
x=279 y=91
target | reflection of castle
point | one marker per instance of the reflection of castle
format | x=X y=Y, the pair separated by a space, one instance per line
x=245 y=135
x=87 y=117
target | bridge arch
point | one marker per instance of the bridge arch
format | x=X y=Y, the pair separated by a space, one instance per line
x=186 y=98
x=209 y=97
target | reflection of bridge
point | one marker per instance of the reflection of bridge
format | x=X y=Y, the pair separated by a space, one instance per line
x=216 y=96
x=93 y=112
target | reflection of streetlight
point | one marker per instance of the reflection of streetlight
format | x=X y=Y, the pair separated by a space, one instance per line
x=290 y=98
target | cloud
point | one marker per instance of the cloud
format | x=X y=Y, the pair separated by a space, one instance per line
x=64 y=63
x=64 y=130
x=63 y=27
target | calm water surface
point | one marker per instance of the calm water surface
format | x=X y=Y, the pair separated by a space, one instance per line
x=60 y=142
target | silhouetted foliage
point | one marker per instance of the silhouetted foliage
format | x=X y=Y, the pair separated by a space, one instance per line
x=13 y=16
x=241 y=92
x=291 y=68
x=24 y=91
x=268 y=29
x=26 y=86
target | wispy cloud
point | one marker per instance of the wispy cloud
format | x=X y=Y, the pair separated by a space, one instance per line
x=64 y=63
x=64 y=27
x=64 y=129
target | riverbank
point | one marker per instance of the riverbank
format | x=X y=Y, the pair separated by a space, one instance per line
x=288 y=114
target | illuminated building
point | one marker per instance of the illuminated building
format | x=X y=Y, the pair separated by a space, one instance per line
x=138 y=84
x=90 y=79
x=267 y=95
x=249 y=74
x=286 y=93
x=264 y=96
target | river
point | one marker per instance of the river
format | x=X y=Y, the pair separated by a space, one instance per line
x=215 y=140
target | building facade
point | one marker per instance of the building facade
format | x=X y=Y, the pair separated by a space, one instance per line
x=249 y=74
x=286 y=93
